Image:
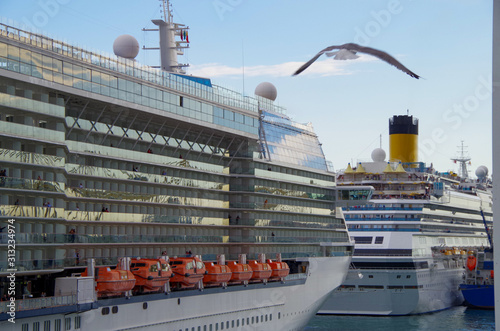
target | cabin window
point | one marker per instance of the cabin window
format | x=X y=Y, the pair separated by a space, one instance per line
x=105 y=311
x=153 y=268
x=114 y=309
x=46 y=326
x=57 y=325
x=25 y=327
x=78 y=322
x=67 y=323
x=144 y=305
x=36 y=326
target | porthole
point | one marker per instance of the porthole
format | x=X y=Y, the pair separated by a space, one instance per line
x=105 y=311
x=114 y=310
x=144 y=305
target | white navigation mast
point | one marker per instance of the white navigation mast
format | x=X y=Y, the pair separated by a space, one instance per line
x=462 y=160
x=170 y=48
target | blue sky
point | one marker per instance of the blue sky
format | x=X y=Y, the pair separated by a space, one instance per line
x=447 y=42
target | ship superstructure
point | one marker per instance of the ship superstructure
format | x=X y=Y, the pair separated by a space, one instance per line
x=412 y=238
x=104 y=159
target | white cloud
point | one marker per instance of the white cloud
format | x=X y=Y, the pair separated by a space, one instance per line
x=326 y=67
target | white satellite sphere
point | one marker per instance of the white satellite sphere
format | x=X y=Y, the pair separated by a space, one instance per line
x=266 y=90
x=481 y=171
x=126 y=46
x=378 y=155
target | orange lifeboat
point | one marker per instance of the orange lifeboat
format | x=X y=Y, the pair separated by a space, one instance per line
x=187 y=271
x=241 y=272
x=112 y=282
x=471 y=262
x=216 y=274
x=280 y=269
x=151 y=274
x=261 y=271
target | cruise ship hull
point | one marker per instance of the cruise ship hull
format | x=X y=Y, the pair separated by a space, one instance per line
x=435 y=290
x=276 y=305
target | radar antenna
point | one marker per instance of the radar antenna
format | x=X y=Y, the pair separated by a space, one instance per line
x=170 y=48
x=462 y=160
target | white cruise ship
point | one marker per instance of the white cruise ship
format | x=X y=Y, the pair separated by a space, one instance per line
x=412 y=237
x=104 y=160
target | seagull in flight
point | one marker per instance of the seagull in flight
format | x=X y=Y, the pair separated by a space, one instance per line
x=348 y=52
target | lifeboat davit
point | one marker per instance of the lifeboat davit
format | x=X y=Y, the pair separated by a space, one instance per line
x=187 y=271
x=279 y=269
x=112 y=282
x=471 y=262
x=216 y=274
x=151 y=274
x=241 y=272
x=261 y=271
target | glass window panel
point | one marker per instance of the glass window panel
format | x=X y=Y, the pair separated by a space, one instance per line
x=77 y=83
x=25 y=56
x=58 y=78
x=67 y=68
x=137 y=88
x=13 y=52
x=47 y=74
x=77 y=71
x=96 y=77
x=86 y=74
x=3 y=50
x=113 y=82
x=229 y=115
x=68 y=80
x=36 y=71
x=47 y=62
x=57 y=65
x=25 y=69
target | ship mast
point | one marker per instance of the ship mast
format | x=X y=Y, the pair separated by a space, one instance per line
x=462 y=160
x=170 y=48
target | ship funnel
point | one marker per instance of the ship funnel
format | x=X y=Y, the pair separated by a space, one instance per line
x=403 y=138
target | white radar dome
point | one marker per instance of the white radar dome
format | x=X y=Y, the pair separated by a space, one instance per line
x=378 y=155
x=126 y=46
x=481 y=171
x=266 y=90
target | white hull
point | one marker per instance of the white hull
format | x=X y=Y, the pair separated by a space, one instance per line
x=276 y=306
x=435 y=289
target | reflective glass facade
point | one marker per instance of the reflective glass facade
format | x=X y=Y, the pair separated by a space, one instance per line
x=139 y=162
x=291 y=142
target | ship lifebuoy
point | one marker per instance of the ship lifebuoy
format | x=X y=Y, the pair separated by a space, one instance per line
x=471 y=262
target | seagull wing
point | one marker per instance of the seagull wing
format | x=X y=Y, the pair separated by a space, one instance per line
x=381 y=55
x=311 y=61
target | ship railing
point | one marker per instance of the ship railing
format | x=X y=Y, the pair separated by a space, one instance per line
x=137 y=71
x=33 y=264
x=38 y=303
x=379 y=208
x=281 y=207
x=31 y=211
x=31 y=184
x=358 y=217
x=9 y=155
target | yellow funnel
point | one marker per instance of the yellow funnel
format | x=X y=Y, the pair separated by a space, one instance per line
x=403 y=138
